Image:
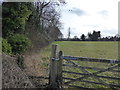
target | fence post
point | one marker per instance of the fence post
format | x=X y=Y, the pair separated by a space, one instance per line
x=53 y=68
x=59 y=72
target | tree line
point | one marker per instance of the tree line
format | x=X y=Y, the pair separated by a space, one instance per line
x=94 y=36
x=29 y=25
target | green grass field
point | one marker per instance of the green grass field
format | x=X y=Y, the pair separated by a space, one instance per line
x=107 y=50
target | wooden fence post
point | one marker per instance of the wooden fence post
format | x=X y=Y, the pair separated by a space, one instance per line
x=55 y=74
x=53 y=68
x=59 y=72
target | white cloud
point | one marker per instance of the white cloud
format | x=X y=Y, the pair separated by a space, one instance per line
x=99 y=15
x=76 y=11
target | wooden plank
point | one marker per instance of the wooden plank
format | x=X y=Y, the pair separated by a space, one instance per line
x=84 y=88
x=93 y=68
x=91 y=59
x=74 y=64
x=74 y=73
x=110 y=68
x=109 y=77
x=114 y=85
x=79 y=79
x=88 y=75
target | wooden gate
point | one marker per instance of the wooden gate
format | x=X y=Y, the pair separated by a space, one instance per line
x=82 y=72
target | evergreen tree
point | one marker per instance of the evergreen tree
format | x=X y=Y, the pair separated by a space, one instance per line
x=83 y=37
x=14 y=16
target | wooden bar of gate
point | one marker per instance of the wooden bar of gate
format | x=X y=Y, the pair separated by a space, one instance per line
x=112 y=61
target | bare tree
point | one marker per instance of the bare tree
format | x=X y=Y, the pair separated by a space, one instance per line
x=46 y=24
x=69 y=33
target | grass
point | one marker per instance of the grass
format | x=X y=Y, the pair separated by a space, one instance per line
x=107 y=50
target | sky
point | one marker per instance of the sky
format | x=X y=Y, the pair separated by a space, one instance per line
x=83 y=16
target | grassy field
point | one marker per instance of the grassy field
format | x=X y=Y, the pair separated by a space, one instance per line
x=107 y=50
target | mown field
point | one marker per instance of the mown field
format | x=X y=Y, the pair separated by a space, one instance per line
x=107 y=50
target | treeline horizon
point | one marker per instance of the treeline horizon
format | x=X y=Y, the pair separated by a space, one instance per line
x=94 y=36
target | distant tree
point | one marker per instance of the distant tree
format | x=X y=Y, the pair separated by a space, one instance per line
x=69 y=32
x=76 y=38
x=106 y=39
x=118 y=39
x=89 y=36
x=83 y=37
x=95 y=36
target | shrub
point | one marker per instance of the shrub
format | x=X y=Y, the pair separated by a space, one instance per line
x=20 y=43
x=6 y=47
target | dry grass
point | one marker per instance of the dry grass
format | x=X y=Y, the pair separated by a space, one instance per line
x=34 y=65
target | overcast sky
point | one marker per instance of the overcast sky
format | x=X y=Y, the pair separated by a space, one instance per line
x=84 y=16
